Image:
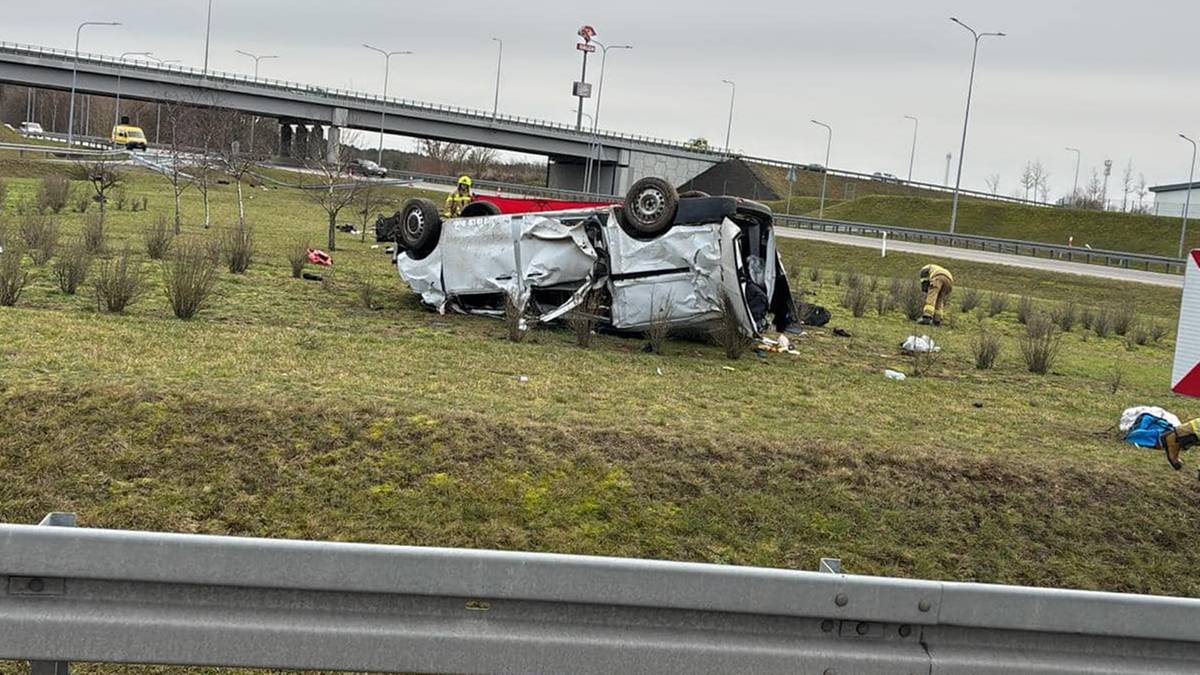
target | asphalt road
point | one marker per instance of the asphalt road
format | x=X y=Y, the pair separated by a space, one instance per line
x=1045 y=264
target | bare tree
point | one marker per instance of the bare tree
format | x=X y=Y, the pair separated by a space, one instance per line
x=1093 y=193
x=176 y=115
x=332 y=187
x=102 y=177
x=1126 y=185
x=1141 y=190
x=993 y=183
x=1028 y=180
x=236 y=156
x=205 y=124
x=372 y=198
x=480 y=161
x=444 y=158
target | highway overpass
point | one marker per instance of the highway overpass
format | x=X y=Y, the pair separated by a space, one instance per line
x=304 y=109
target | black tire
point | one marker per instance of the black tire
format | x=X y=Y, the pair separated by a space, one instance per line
x=693 y=194
x=649 y=208
x=479 y=208
x=419 y=228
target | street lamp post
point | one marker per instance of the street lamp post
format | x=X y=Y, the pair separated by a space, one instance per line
x=1075 y=185
x=117 y=110
x=967 y=116
x=387 y=62
x=1187 y=201
x=75 y=74
x=595 y=149
x=207 y=33
x=257 y=58
x=158 y=106
x=825 y=174
x=729 y=127
x=912 y=158
x=499 y=61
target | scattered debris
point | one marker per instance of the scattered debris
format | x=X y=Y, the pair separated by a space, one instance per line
x=978 y=404
x=347 y=228
x=729 y=368
x=895 y=375
x=319 y=257
x=1130 y=415
x=842 y=332
x=811 y=315
x=919 y=345
x=658 y=370
x=522 y=378
x=312 y=276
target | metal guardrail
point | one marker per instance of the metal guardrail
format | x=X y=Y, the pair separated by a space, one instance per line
x=137 y=597
x=1167 y=264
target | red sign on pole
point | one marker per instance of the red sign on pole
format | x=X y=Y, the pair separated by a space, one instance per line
x=585 y=47
x=587 y=33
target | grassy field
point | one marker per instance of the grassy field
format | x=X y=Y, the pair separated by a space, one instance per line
x=287 y=408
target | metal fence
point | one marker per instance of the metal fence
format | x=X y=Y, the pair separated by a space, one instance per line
x=137 y=597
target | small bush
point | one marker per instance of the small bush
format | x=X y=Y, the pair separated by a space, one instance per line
x=874 y=284
x=119 y=282
x=53 y=193
x=923 y=363
x=158 y=238
x=895 y=291
x=120 y=199
x=1064 y=316
x=297 y=256
x=583 y=321
x=1102 y=323
x=368 y=294
x=1025 y=309
x=883 y=304
x=3 y=195
x=660 y=327
x=94 y=237
x=985 y=346
x=1137 y=335
x=1158 y=331
x=1087 y=315
x=912 y=300
x=514 y=319
x=82 y=202
x=728 y=332
x=814 y=275
x=856 y=299
x=969 y=300
x=40 y=234
x=853 y=279
x=1040 y=344
x=1122 y=319
x=13 y=279
x=997 y=303
x=239 y=248
x=1115 y=377
x=135 y=204
x=71 y=268
x=189 y=277
x=837 y=278
x=145 y=203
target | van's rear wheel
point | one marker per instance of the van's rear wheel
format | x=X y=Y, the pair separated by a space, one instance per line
x=479 y=208
x=649 y=208
x=419 y=228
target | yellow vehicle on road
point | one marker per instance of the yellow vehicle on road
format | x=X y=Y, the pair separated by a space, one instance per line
x=129 y=137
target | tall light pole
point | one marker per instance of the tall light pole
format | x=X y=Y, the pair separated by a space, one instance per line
x=387 y=62
x=967 y=117
x=158 y=106
x=499 y=61
x=912 y=158
x=75 y=74
x=825 y=174
x=729 y=127
x=117 y=110
x=596 y=117
x=207 y=33
x=257 y=58
x=1075 y=185
x=1187 y=202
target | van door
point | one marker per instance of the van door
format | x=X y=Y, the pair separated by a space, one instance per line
x=733 y=275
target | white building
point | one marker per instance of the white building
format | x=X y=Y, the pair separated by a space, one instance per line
x=1169 y=199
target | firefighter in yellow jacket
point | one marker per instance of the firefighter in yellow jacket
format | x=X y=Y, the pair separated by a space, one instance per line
x=460 y=197
x=936 y=283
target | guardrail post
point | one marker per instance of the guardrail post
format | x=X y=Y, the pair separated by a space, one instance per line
x=53 y=519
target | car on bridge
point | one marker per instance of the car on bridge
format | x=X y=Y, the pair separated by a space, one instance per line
x=654 y=259
x=28 y=128
x=366 y=167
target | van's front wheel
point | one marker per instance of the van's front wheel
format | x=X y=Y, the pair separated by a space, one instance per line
x=649 y=207
x=419 y=228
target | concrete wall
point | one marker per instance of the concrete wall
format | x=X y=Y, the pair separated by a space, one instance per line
x=676 y=170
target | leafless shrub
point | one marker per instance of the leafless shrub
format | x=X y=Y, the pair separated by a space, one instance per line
x=297 y=256
x=119 y=282
x=923 y=363
x=1025 y=309
x=728 y=332
x=1086 y=316
x=969 y=299
x=985 y=346
x=120 y=199
x=997 y=303
x=94 y=237
x=514 y=319
x=53 y=193
x=883 y=304
x=837 y=278
x=853 y=279
x=912 y=300
x=3 y=195
x=1040 y=344
x=71 y=267
x=1122 y=319
x=1137 y=335
x=239 y=248
x=1064 y=316
x=40 y=234
x=1158 y=331
x=1102 y=323
x=189 y=276
x=873 y=283
x=895 y=292
x=368 y=294
x=814 y=274
x=856 y=298
x=158 y=238
x=13 y=279
x=660 y=325
x=1116 y=377
x=583 y=320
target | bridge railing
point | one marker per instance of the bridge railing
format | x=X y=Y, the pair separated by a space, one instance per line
x=114 y=596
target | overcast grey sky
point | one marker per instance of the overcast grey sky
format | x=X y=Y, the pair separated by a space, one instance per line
x=1115 y=79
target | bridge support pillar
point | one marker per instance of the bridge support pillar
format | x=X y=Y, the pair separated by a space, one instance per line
x=316 y=143
x=285 y=140
x=333 y=146
x=300 y=142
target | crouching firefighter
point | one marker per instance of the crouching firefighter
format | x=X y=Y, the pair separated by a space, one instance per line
x=936 y=284
x=1180 y=438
